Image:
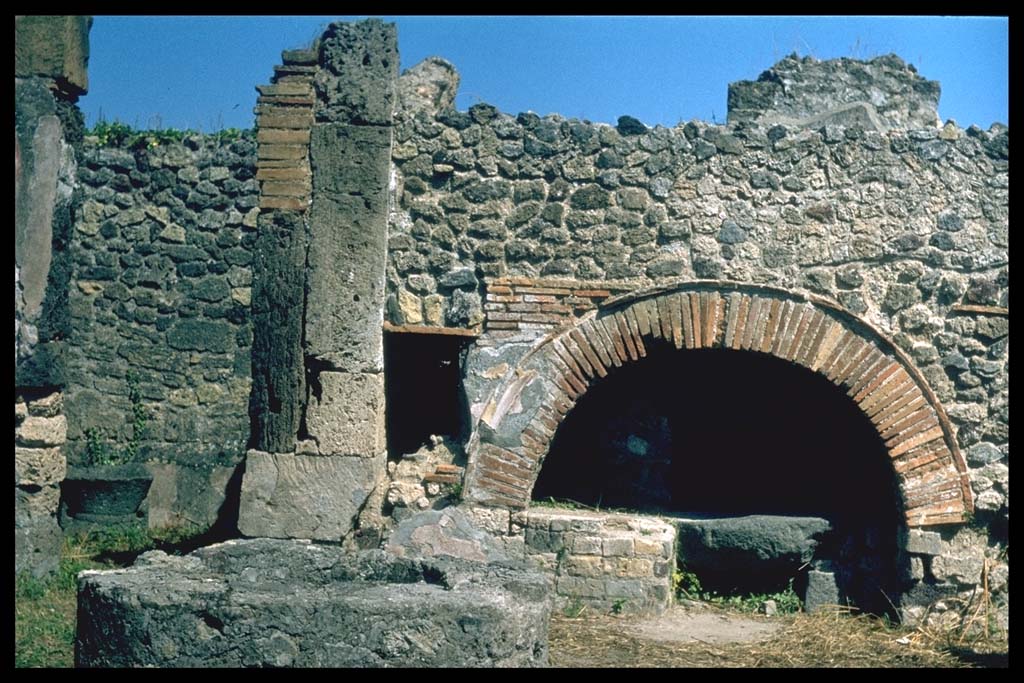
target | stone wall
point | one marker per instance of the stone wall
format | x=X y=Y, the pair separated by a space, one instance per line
x=833 y=179
x=160 y=292
x=906 y=229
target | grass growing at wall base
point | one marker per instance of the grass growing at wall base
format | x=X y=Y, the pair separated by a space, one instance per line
x=45 y=610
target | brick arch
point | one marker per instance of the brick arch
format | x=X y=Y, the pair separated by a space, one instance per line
x=516 y=427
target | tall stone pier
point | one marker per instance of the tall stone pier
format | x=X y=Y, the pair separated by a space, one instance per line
x=325 y=131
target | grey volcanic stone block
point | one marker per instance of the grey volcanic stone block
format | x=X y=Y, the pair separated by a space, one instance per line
x=347 y=246
x=348 y=417
x=821 y=590
x=757 y=552
x=303 y=496
x=288 y=603
x=444 y=533
x=37 y=536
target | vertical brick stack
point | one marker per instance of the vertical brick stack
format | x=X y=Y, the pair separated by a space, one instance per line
x=284 y=113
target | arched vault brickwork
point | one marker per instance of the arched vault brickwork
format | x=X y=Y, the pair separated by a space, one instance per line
x=516 y=427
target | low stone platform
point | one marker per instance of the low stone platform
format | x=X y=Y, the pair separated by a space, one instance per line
x=266 y=602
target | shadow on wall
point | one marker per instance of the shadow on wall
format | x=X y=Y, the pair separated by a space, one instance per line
x=719 y=433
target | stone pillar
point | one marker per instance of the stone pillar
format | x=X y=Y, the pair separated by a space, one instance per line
x=316 y=487
x=51 y=55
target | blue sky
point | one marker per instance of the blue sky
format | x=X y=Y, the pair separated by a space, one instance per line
x=201 y=72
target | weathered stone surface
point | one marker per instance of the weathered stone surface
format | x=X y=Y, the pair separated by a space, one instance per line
x=191 y=497
x=279 y=384
x=56 y=47
x=444 y=533
x=37 y=536
x=42 y=432
x=822 y=591
x=287 y=603
x=345 y=415
x=430 y=87
x=813 y=86
x=751 y=551
x=303 y=496
x=923 y=542
x=358 y=72
x=348 y=226
x=38 y=466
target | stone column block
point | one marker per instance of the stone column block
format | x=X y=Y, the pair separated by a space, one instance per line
x=38 y=466
x=348 y=416
x=301 y=496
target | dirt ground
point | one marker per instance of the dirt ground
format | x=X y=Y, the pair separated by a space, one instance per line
x=712 y=637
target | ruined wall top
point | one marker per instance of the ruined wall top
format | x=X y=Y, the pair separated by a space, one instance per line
x=885 y=91
x=56 y=47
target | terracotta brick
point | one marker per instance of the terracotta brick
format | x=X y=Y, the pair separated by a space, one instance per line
x=681 y=310
x=577 y=354
x=592 y=293
x=294 y=173
x=503 y=299
x=561 y=310
x=571 y=372
x=297 y=119
x=498 y=289
x=868 y=372
x=594 y=333
x=276 y=151
x=285 y=188
x=719 y=327
x=753 y=314
x=540 y=298
x=523 y=308
x=650 y=308
x=287 y=100
x=490 y=483
x=785 y=313
x=287 y=136
x=763 y=341
x=643 y=322
x=821 y=325
x=885 y=373
x=710 y=310
x=897 y=410
x=797 y=332
x=909 y=422
x=927 y=518
x=626 y=335
x=732 y=315
x=898 y=384
x=695 y=315
x=757 y=321
x=802 y=354
x=285 y=89
x=502 y=325
x=837 y=352
x=549 y=318
x=833 y=333
x=293 y=203
x=533 y=291
x=629 y=315
x=563 y=353
x=492 y=464
x=923 y=433
x=857 y=355
x=919 y=458
x=943 y=491
x=539 y=439
x=673 y=308
x=614 y=343
x=664 y=318
x=278 y=108
x=589 y=353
